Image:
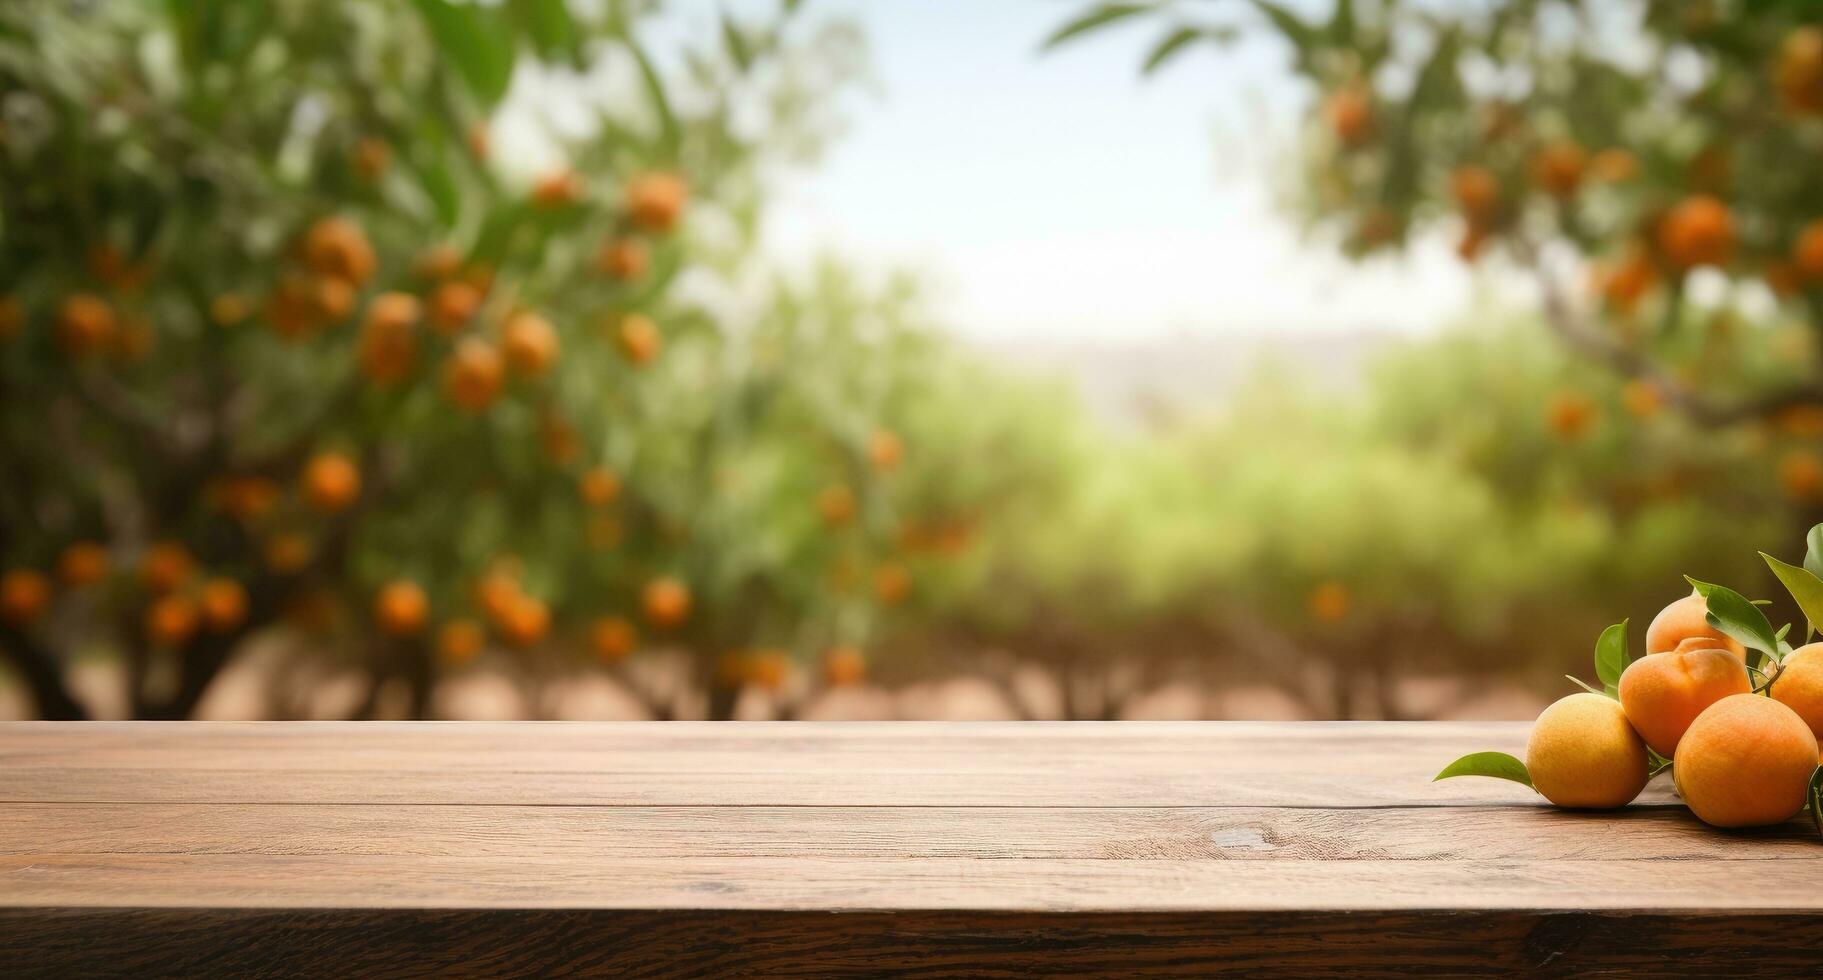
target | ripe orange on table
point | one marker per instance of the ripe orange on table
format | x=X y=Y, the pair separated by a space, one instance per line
x=655 y=201
x=598 y=486
x=530 y=344
x=1745 y=762
x=612 y=638
x=638 y=338
x=473 y=374
x=224 y=604
x=1663 y=693
x=1698 y=231
x=166 y=566
x=666 y=601
x=86 y=325
x=171 y=620
x=453 y=304
x=625 y=259
x=844 y=666
x=82 y=564
x=336 y=248
x=1583 y=753
x=24 y=595
x=332 y=481
x=1799 y=685
x=1350 y=114
x=1687 y=619
x=401 y=608
x=460 y=641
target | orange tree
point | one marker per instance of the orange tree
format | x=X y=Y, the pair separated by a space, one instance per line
x=290 y=338
x=1651 y=164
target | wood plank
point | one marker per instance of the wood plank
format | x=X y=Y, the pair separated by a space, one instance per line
x=593 y=942
x=870 y=884
x=1117 y=833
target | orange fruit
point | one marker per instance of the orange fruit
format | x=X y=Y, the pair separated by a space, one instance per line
x=438 y=262
x=1474 y=239
x=558 y=189
x=529 y=343
x=495 y=593
x=1614 y=165
x=1583 y=753
x=1476 y=189
x=1663 y=693
x=1684 y=620
x=1799 y=73
x=224 y=604
x=666 y=602
x=559 y=439
x=526 y=622
x=389 y=344
x=836 y=504
x=1807 y=251
x=1801 y=474
x=844 y=666
x=638 y=338
x=288 y=552
x=401 y=608
x=166 y=566
x=453 y=304
x=86 y=325
x=1558 y=168
x=1799 y=685
x=1329 y=602
x=1570 y=415
x=82 y=564
x=1783 y=278
x=1698 y=231
x=292 y=308
x=1626 y=284
x=612 y=638
x=228 y=309
x=892 y=583
x=1351 y=116
x=655 y=201
x=769 y=669
x=171 y=620
x=24 y=595
x=472 y=375
x=333 y=299
x=250 y=498
x=885 y=449
x=1643 y=399
x=336 y=248
x=372 y=157
x=598 y=486
x=460 y=641
x=1745 y=762
x=625 y=259
x=332 y=482
x=480 y=144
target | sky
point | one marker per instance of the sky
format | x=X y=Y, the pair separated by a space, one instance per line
x=1060 y=195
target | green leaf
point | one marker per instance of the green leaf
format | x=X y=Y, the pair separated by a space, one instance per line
x=1497 y=765
x=1816 y=799
x=668 y=130
x=1731 y=613
x=1805 y=588
x=738 y=48
x=1300 y=34
x=1096 y=17
x=550 y=26
x=1813 y=551
x=1172 y=43
x=1611 y=658
x=1658 y=766
x=476 y=41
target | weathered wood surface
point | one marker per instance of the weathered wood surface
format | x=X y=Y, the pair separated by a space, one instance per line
x=159 y=848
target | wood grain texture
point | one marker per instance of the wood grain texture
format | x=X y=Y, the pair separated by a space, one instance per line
x=924 y=849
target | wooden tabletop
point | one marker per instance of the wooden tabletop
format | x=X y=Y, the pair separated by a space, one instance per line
x=532 y=847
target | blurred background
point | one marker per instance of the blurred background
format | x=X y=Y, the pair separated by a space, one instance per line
x=618 y=359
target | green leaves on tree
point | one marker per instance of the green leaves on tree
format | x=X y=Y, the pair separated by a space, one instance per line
x=477 y=41
x=1496 y=765
x=1095 y=17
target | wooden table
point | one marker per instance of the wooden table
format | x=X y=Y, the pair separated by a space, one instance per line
x=726 y=848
